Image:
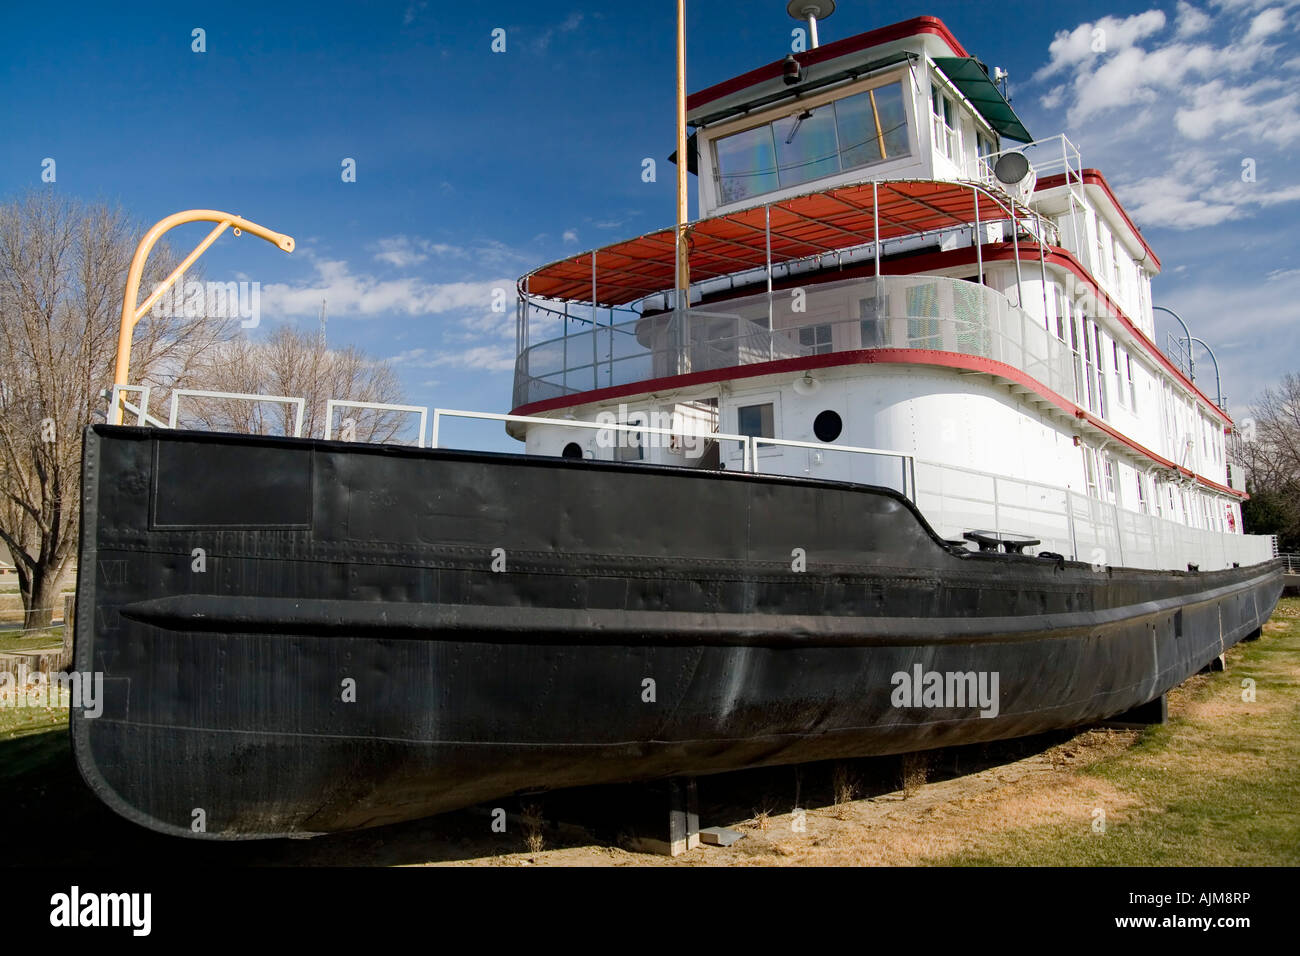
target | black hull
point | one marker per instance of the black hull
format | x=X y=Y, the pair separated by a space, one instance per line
x=327 y=562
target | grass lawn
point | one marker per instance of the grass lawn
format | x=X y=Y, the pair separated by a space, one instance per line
x=16 y=640
x=1215 y=786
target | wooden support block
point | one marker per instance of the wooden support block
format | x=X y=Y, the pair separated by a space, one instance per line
x=681 y=828
x=720 y=836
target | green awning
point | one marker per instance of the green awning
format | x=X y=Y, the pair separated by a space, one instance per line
x=968 y=75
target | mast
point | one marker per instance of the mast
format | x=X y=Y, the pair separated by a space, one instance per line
x=683 y=259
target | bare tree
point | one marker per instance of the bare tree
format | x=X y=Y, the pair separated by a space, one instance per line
x=296 y=364
x=63 y=269
x=1271 y=448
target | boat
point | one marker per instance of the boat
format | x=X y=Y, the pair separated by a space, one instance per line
x=889 y=460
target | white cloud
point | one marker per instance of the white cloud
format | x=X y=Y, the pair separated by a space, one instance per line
x=1087 y=41
x=570 y=235
x=543 y=40
x=1258 y=111
x=350 y=294
x=1266 y=24
x=1191 y=21
x=1191 y=99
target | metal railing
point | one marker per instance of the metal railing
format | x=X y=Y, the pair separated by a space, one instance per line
x=906 y=312
x=907 y=463
x=1049 y=156
x=334 y=403
x=177 y=393
x=440 y=413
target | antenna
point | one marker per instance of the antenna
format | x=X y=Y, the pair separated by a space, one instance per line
x=812 y=11
x=322 y=323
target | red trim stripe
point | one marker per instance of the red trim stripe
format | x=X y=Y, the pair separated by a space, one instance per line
x=917 y=26
x=972 y=363
x=1093 y=177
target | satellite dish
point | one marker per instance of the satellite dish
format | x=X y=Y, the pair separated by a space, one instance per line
x=1011 y=169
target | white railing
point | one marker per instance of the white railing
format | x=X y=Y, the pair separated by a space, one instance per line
x=907 y=463
x=441 y=413
x=177 y=393
x=117 y=395
x=334 y=403
x=1050 y=156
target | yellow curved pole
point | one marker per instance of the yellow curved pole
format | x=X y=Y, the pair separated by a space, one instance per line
x=132 y=313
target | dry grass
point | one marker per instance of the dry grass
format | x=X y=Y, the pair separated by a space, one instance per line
x=531 y=821
x=844 y=789
x=916 y=769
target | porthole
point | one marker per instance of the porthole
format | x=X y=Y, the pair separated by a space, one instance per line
x=572 y=450
x=827 y=426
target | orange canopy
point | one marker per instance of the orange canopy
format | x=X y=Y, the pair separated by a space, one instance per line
x=802 y=226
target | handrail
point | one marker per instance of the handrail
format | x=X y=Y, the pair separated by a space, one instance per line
x=133 y=313
x=245 y=396
x=332 y=403
x=440 y=413
x=908 y=461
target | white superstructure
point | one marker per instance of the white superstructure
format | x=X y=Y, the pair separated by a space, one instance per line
x=868 y=295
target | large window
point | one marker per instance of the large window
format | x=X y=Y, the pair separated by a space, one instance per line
x=845 y=134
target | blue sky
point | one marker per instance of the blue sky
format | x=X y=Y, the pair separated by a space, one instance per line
x=474 y=166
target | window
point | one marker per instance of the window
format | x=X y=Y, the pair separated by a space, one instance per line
x=756 y=421
x=1090 y=469
x=815 y=339
x=1143 y=507
x=1090 y=369
x=845 y=134
x=1078 y=360
x=746 y=164
x=1121 y=393
x=1101 y=371
x=1108 y=468
x=1062 y=311
x=947 y=139
x=1120 y=271
x=1100 y=269
x=1132 y=386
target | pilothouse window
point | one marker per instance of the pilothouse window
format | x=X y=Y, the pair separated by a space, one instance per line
x=845 y=134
